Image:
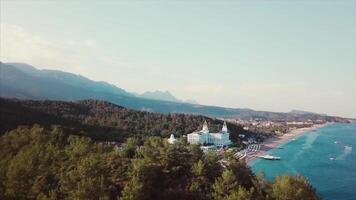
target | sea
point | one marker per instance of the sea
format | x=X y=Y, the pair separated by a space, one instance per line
x=325 y=156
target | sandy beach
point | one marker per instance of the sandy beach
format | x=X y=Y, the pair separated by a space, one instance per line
x=275 y=141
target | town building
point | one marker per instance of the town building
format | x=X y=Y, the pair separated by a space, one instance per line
x=204 y=137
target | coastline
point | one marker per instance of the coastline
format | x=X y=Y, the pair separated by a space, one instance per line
x=276 y=141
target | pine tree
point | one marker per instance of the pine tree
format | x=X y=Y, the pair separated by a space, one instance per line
x=199 y=184
x=293 y=187
x=134 y=190
x=241 y=194
x=225 y=186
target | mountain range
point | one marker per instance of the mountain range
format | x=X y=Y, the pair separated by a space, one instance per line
x=23 y=81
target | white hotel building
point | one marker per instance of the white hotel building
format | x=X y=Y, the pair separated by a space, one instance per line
x=202 y=137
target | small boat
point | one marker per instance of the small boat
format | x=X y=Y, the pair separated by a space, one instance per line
x=269 y=157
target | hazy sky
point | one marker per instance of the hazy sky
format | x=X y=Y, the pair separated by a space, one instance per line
x=265 y=55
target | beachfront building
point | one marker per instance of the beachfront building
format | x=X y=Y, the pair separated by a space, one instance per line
x=204 y=136
x=172 y=139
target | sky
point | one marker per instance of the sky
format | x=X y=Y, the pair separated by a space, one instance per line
x=265 y=55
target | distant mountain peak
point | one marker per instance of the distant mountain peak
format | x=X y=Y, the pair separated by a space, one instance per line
x=164 y=96
x=160 y=95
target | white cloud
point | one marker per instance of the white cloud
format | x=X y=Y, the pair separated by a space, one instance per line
x=77 y=56
x=89 y=43
x=85 y=57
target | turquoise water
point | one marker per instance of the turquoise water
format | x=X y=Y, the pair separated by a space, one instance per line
x=325 y=156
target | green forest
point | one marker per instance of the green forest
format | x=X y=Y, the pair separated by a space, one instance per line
x=104 y=121
x=93 y=149
x=50 y=163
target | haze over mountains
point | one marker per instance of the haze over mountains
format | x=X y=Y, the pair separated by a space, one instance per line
x=24 y=81
x=164 y=96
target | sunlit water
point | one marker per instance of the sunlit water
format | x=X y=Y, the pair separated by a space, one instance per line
x=325 y=156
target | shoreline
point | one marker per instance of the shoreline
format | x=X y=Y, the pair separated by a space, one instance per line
x=276 y=141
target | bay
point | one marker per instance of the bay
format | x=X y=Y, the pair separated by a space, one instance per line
x=325 y=156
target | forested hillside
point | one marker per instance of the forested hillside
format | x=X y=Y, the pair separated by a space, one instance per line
x=104 y=121
x=41 y=163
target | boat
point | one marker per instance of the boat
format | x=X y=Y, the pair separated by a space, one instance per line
x=269 y=157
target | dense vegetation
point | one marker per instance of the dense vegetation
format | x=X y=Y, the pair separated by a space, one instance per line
x=104 y=121
x=50 y=163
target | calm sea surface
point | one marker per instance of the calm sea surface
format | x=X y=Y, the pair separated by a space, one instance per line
x=325 y=156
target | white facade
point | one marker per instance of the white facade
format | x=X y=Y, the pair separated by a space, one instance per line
x=172 y=139
x=221 y=138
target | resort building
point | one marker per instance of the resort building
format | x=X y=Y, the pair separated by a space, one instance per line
x=172 y=139
x=204 y=137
